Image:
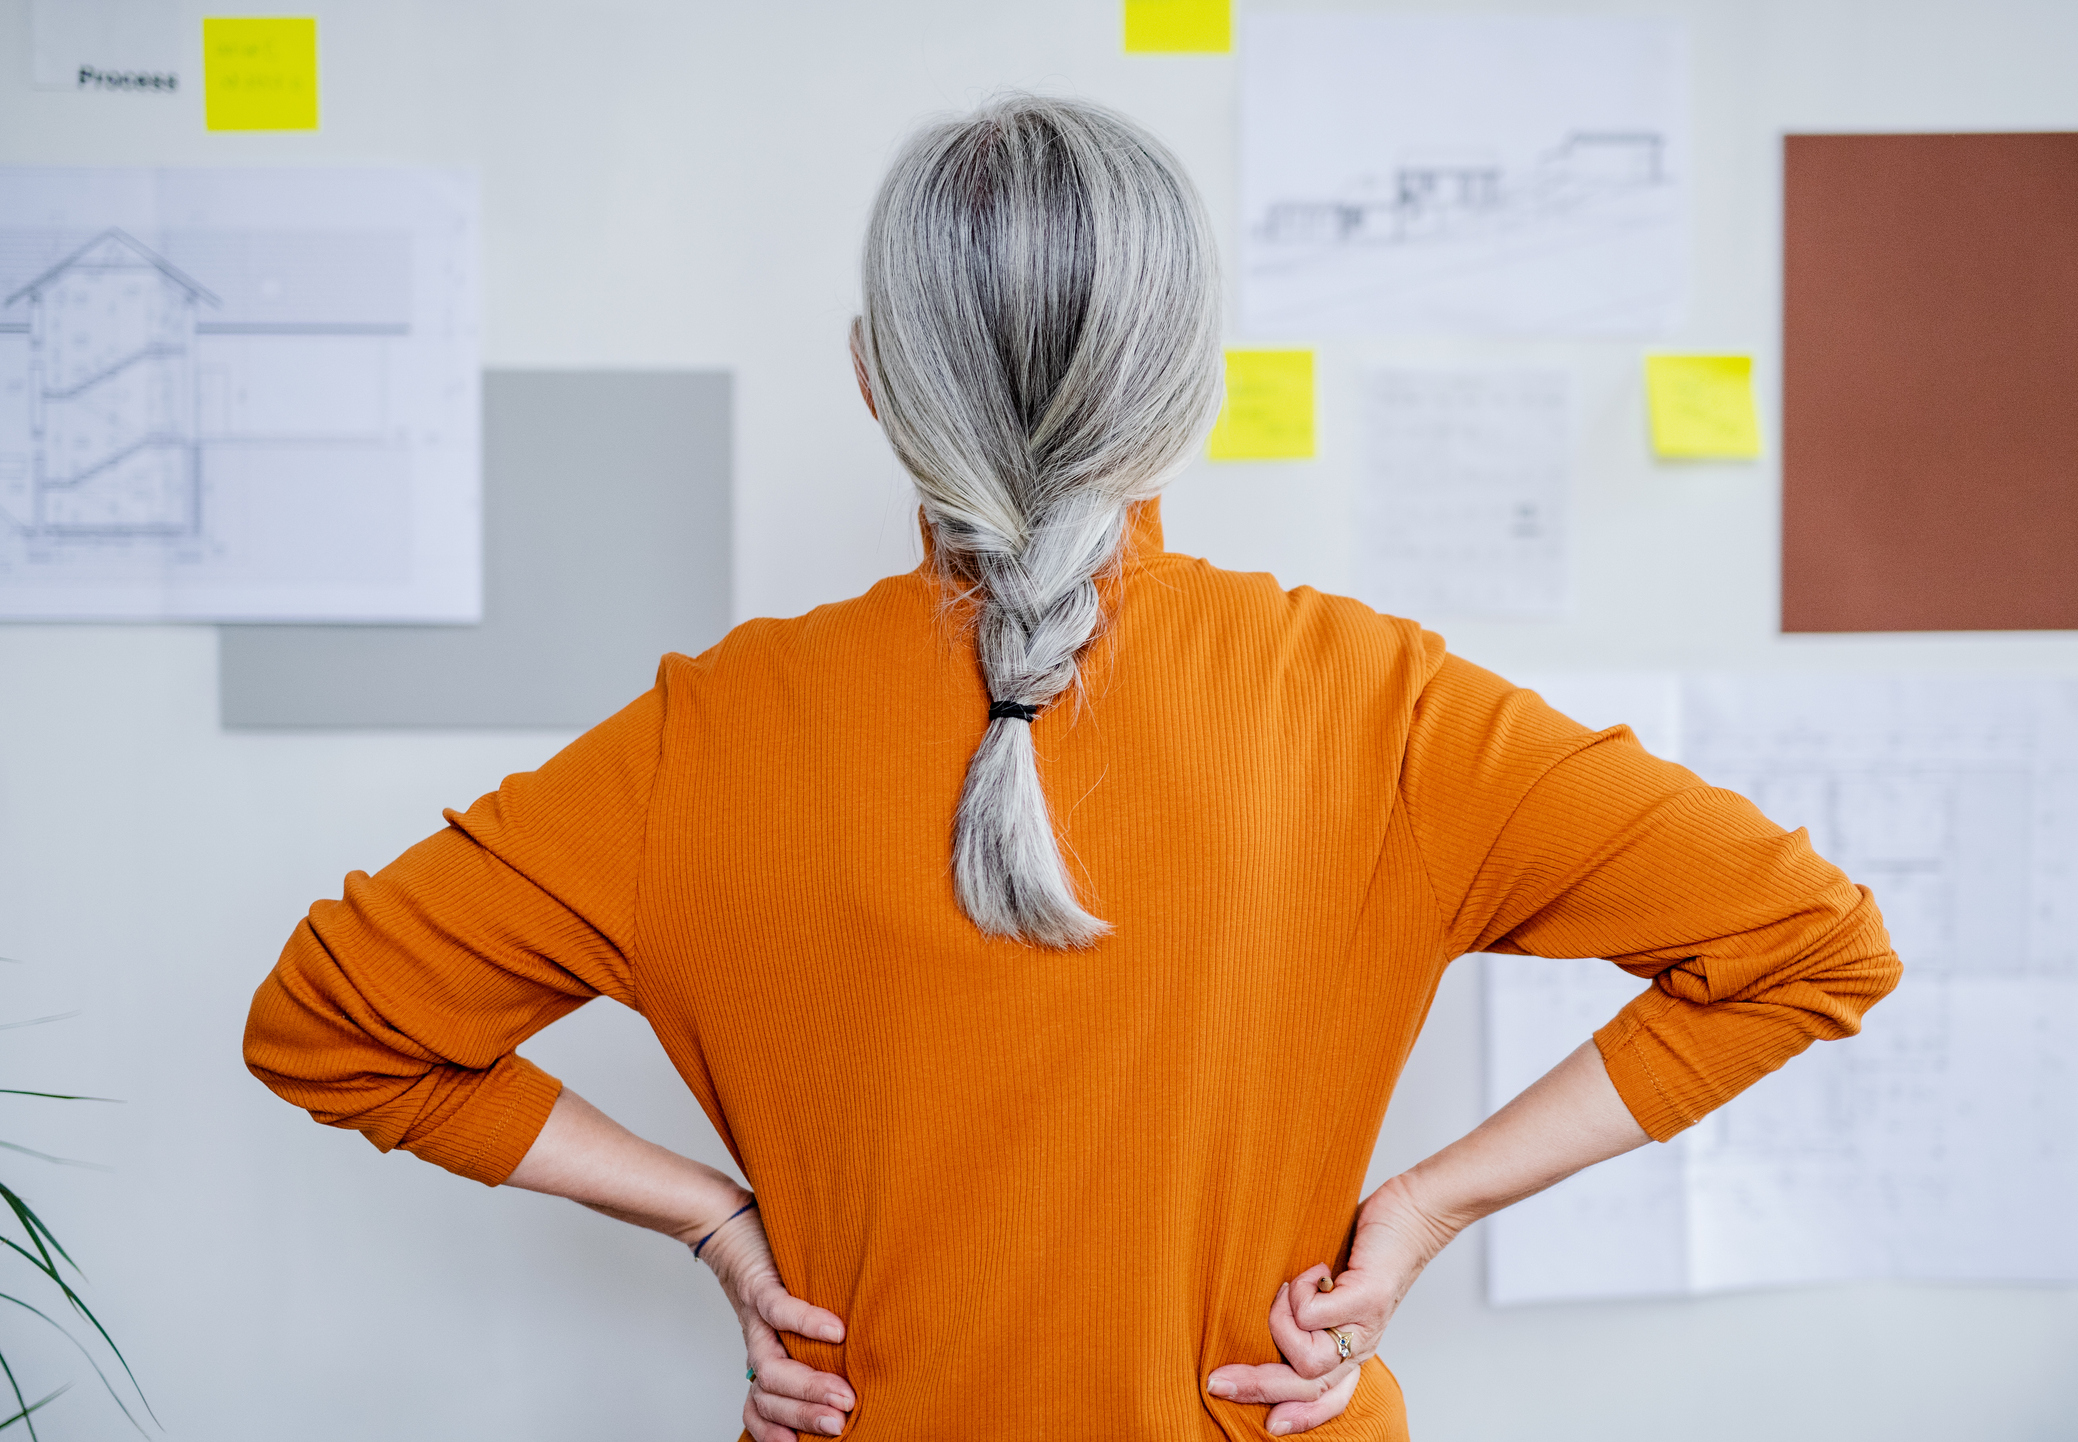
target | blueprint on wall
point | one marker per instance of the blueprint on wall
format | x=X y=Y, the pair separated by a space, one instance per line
x=1482 y=175
x=1942 y=1143
x=239 y=395
x=1462 y=499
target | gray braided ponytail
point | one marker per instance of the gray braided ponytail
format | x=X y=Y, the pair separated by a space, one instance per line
x=1040 y=331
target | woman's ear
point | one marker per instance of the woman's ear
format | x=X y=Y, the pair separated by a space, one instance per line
x=858 y=367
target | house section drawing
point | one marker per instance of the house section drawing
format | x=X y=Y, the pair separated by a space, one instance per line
x=112 y=424
x=266 y=410
x=1477 y=175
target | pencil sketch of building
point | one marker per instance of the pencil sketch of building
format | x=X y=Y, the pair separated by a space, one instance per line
x=111 y=395
x=1439 y=197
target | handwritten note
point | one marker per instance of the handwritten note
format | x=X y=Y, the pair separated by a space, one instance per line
x=1463 y=493
x=1268 y=415
x=260 y=73
x=1179 y=25
x=1702 y=407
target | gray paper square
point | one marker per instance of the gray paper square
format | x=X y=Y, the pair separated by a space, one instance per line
x=606 y=544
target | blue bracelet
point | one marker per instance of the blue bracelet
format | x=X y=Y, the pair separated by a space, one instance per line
x=723 y=1223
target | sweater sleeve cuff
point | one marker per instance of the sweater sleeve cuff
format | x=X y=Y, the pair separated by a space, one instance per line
x=486 y=1139
x=1648 y=1073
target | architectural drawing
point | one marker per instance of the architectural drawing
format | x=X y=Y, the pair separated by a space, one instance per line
x=1942 y=1142
x=111 y=394
x=265 y=411
x=1482 y=175
x=1443 y=200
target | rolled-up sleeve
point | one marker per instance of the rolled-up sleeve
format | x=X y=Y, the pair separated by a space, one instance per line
x=1544 y=838
x=395 y=1010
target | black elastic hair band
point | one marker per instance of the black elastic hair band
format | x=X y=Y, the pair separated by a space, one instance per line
x=723 y=1223
x=1012 y=711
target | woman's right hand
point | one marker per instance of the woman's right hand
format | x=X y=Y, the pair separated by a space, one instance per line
x=786 y=1397
x=1569 y=1118
x=1394 y=1240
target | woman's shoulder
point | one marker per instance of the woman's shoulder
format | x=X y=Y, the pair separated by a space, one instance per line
x=893 y=616
x=1299 y=625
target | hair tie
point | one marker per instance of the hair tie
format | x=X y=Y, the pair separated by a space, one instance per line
x=723 y=1223
x=1012 y=711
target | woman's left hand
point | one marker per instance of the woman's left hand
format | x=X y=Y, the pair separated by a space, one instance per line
x=1394 y=1241
x=786 y=1397
x=585 y=1155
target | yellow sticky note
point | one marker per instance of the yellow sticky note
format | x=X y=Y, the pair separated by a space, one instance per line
x=1702 y=407
x=1269 y=411
x=1202 y=25
x=260 y=73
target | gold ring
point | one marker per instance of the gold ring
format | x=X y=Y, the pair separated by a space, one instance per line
x=1341 y=1341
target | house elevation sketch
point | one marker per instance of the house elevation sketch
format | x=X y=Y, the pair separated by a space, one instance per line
x=238 y=395
x=1473 y=175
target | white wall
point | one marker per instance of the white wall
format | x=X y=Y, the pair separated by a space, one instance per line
x=669 y=184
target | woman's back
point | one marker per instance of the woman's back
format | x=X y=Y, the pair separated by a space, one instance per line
x=1012 y=1169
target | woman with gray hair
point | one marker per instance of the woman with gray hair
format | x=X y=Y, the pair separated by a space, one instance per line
x=1044 y=930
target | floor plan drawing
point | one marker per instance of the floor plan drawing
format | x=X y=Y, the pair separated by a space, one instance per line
x=1472 y=175
x=238 y=395
x=1939 y=1144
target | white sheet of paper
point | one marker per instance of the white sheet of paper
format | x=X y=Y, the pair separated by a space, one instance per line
x=1941 y=1144
x=106 y=45
x=239 y=395
x=1616 y=1230
x=1649 y=702
x=1463 y=174
x=1463 y=492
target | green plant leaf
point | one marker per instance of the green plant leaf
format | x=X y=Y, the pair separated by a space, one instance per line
x=19 y=1400
x=80 y=1347
x=37 y=1231
x=47 y=1157
x=23 y=1415
x=35 y=1261
x=34 y=1225
x=54 y=1096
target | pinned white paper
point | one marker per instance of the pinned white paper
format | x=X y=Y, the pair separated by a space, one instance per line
x=239 y=395
x=1941 y=1143
x=1474 y=174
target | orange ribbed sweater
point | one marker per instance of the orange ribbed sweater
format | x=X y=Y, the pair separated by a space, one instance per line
x=1066 y=1183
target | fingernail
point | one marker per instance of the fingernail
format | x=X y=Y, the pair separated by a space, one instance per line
x=1220 y=1387
x=832 y=1334
x=1278 y=1429
x=838 y=1399
x=832 y=1425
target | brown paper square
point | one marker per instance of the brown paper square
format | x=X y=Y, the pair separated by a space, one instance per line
x=1930 y=383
